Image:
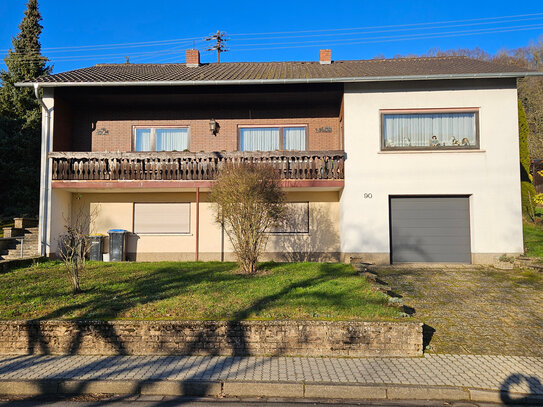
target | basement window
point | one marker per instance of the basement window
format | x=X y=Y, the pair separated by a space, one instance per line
x=162 y=218
x=450 y=129
x=161 y=139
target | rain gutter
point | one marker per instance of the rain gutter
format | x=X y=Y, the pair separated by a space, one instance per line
x=289 y=81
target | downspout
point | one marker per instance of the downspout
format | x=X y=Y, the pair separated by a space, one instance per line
x=197 y=221
x=44 y=174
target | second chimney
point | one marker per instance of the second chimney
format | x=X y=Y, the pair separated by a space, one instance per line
x=193 y=58
x=325 y=56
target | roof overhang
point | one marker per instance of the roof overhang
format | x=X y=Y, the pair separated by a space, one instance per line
x=502 y=75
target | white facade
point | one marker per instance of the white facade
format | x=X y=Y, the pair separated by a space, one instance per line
x=490 y=176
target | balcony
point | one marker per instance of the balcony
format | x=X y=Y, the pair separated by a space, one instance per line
x=187 y=166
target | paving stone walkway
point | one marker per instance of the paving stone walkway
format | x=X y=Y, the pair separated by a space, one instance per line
x=514 y=374
x=475 y=311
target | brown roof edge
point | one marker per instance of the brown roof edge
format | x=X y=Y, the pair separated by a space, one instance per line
x=493 y=75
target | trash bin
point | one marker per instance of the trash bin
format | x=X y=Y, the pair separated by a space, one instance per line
x=96 y=247
x=117 y=244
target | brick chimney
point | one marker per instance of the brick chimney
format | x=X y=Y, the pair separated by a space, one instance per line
x=193 y=58
x=325 y=56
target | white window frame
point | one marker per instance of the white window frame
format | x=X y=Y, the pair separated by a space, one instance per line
x=307 y=222
x=281 y=128
x=185 y=233
x=474 y=110
x=153 y=135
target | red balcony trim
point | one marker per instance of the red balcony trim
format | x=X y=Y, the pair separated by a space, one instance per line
x=172 y=184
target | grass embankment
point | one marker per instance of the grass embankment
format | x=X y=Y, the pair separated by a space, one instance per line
x=533 y=240
x=205 y=291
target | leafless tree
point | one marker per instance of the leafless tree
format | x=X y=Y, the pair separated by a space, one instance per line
x=249 y=202
x=74 y=245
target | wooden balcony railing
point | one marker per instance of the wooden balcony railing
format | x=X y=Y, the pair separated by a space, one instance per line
x=303 y=165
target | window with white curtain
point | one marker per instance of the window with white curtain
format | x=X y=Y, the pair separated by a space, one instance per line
x=161 y=139
x=429 y=130
x=272 y=138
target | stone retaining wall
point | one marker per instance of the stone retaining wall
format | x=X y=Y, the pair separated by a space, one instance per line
x=257 y=338
x=7 y=265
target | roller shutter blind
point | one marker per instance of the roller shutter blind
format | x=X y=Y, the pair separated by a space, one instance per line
x=166 y=218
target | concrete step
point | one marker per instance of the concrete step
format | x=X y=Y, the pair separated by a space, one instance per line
x=31 y=240
x=31 y=251
x=18 y=256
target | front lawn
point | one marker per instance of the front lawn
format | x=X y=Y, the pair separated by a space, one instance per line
x=533 y=240
x=206 y=291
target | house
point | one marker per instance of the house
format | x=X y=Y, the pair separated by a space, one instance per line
x=388 y=160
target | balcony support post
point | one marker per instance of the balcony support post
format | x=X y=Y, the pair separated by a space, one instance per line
x=45 y=174
x=197 y=221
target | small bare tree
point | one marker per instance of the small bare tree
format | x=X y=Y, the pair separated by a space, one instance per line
x=249 y=202
x=74 y=246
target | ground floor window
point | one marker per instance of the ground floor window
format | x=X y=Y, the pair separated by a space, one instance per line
x=161 y=218
x=296 y=219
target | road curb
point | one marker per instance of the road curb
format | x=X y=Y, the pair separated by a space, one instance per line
x=239 y=389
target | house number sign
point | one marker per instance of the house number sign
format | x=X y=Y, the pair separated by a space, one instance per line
x=323 y=130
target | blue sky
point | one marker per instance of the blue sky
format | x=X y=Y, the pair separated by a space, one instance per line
x=352 y=29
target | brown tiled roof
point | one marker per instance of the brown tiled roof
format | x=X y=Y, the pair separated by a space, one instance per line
x=284 y=71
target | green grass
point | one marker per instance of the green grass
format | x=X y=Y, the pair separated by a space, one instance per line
x=533 y=240
x=205 y=291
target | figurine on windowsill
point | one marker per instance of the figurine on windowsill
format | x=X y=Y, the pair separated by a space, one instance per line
x=465 y=142
x=434 y=142
x=455 y=142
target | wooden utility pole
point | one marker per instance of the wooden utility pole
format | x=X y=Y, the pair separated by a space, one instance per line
x=220 y=43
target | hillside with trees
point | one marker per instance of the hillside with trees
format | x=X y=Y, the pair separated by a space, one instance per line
x=530 y=90
x=20 y=119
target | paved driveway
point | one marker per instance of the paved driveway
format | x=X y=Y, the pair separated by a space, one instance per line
x=477 y=310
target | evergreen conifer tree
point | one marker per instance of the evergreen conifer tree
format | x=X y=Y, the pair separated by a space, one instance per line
x=20 y=119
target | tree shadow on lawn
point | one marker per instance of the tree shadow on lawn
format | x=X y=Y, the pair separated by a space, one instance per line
x=144 y=291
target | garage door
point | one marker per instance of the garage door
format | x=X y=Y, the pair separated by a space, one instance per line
x=430 y=229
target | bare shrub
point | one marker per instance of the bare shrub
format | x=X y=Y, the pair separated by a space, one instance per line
x=249 y=202
x=74 y=246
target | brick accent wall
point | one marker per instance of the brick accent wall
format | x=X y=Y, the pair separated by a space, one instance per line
x=120 y=124
x=103 y=119
x=293 y=338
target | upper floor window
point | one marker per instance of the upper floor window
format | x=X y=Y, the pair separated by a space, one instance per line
x=161 y=138
x=423 y=129
x=272 y=138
